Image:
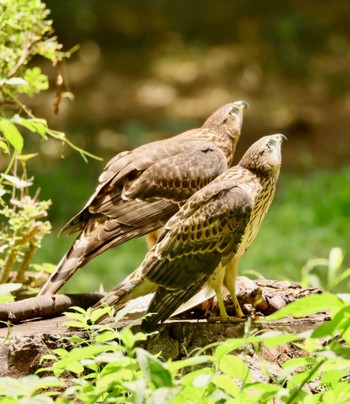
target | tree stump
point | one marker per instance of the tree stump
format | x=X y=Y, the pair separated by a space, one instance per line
x=22 y=345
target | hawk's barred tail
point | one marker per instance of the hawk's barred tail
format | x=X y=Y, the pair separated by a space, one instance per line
x=133 y=286
x=65 y=269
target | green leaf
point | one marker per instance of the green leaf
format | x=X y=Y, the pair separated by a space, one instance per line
x=308 y=305
x=4 y=147
x=332 y=377
x=202 y=380
x=339 y=324
x=227 y=347
x=153 y=369
x=294 y=363
x=175 y=366
x=106 y=336
x=35 y=125
x=234 y=366
x=273 y=338
x=127 y=337
x=162 y=395
x=96 y=314
x=12 y=134
x=226 y=384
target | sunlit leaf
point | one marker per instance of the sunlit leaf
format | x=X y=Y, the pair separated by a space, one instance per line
x=33 y=124
x=12 y=134
x=308 y=305
x=153 y=369
x=175 y=366
x=340 y=323
x=4 y=147
x=202 y=380
x=227 y=384
x=234 y=366
x=26 y=157
x=106 y=336
x=227 y=347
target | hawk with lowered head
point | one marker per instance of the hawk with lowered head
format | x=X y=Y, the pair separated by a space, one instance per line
x=140 y=190
x=212 y=229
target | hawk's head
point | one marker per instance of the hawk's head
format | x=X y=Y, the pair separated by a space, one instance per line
x=264 y=156
x=229 y=115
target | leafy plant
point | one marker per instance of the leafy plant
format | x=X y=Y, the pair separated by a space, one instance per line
x=25 y=33
x=111 y=366
x=326 y=273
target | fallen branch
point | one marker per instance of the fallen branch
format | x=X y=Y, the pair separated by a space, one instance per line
x=45 y=306
x=261 y=296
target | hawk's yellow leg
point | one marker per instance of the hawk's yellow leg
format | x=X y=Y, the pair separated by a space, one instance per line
x=231 y=273
x=216 y=281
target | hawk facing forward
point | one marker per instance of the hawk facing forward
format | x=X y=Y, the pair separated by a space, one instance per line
x=140 y=190
x=214 y=228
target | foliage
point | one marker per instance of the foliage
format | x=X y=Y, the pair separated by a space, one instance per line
x=111 y=366
x=25 y=32
x=326 y=273
x=21 y=231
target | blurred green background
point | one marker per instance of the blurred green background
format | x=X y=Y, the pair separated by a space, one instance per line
x=149 y=70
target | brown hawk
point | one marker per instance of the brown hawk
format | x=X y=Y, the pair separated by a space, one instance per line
x=140 y=190
x=203 y=241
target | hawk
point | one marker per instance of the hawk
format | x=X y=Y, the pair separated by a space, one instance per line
x=140 y=190
x=203 y=241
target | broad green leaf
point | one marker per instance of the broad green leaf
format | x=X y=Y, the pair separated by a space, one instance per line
x=26 y=157
x=308 y=305
x=34 y=125
x=227 y=347
x=188 y=379
x=175 y=366
x=332 y=377
x=127 y=337
x=12 y=134
x=163 y=395
x=303 y=377
x=153 y=369
x=293 y=363
x=227 y=384
x=273 y=338
x=340 y=323
x=96 y=314
x=4 y=147
x=106 y=336
x=76 y=309
x=75 y=324
x=234 y=366
x=202 y=380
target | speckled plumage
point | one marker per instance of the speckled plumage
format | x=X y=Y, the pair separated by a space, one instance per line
x=204 y=239
x=140 y=190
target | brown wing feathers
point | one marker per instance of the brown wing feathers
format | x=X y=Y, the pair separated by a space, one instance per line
x=215 y=225
x=140 y=190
